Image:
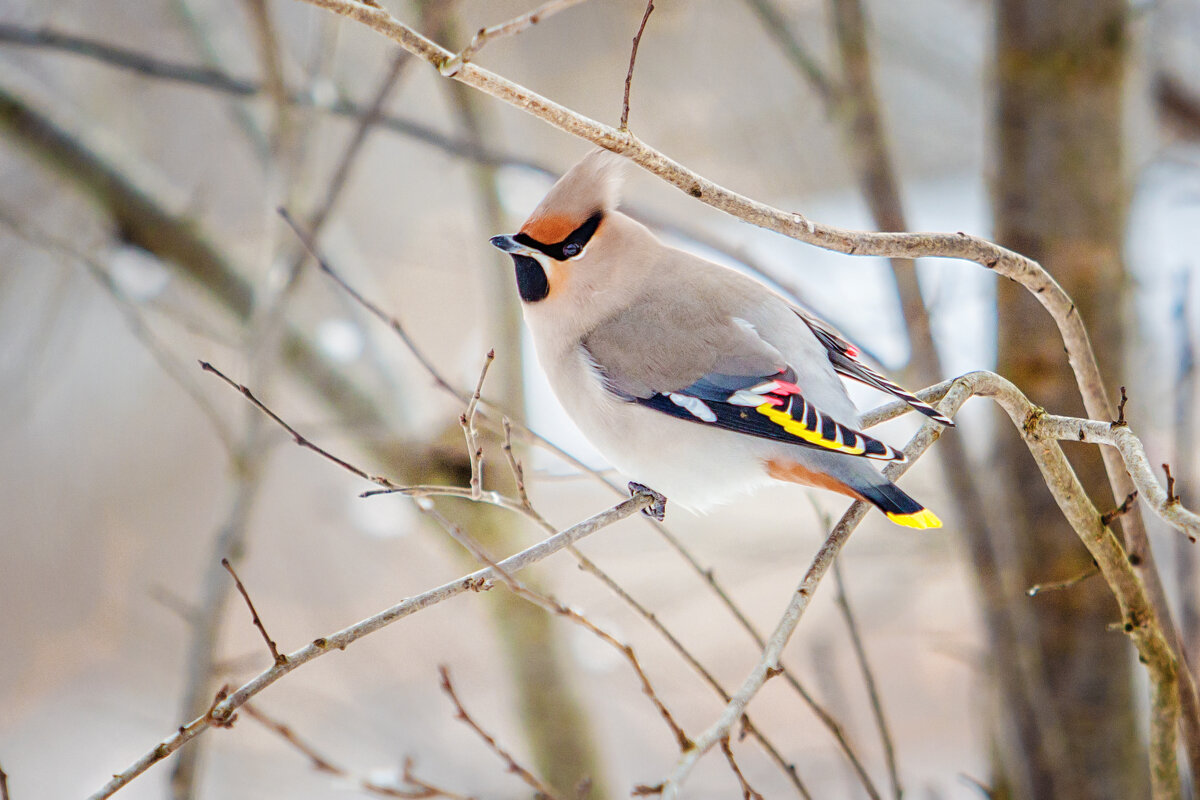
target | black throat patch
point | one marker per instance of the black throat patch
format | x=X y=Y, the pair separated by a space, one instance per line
x=531 y=279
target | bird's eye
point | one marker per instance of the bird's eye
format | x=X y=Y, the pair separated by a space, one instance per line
x=572 y=249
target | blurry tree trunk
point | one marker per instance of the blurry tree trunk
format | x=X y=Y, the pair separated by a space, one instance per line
x=1060 y=198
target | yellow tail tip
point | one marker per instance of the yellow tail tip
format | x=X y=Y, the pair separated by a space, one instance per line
x=918 y=519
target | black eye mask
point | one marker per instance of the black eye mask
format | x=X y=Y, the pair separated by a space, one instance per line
x=569 y=247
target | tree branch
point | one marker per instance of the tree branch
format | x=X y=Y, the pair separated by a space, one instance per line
x=1040 y=432
x=223 y=710
x=637 y=40
x=512 y=27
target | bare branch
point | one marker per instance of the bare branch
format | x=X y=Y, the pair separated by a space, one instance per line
x=467 y=421
x=513 y=26
x=319 y=762
x=514 y=464
x=748 y=792
x=1131 y=454
x=1107 y=517
x=637 y=40
x=375 y=310
x=276 y=656
x=224 y=709
x=296 y=436
x=421 y=790
x=513 y=766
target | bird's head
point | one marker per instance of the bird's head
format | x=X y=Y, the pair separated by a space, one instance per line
x=566 y=228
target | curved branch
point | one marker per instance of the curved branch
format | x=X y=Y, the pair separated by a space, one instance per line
x=1041 y=433
x=1005 y=262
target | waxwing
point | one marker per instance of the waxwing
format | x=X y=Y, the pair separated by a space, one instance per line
x=689 y=377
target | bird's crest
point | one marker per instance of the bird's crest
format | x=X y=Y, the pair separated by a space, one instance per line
x=592 y=185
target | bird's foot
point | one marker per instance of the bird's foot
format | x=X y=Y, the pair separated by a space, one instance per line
x=657 y=509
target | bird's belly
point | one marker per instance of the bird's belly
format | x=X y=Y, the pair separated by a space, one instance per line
x=690 y=463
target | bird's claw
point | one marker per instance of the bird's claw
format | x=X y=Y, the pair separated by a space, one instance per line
x=657 y=509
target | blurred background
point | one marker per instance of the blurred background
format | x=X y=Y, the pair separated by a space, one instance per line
x=144 y=149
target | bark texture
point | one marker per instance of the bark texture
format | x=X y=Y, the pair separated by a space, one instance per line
x=1060 y=198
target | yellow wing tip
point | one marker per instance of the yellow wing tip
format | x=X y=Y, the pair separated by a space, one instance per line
x=922 y=519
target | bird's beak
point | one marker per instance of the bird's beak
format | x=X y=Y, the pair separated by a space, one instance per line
x=509 y=245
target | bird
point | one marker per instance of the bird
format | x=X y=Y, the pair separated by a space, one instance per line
x=688 y=376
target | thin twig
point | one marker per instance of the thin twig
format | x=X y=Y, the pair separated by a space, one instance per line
x=1056 y=586
x=467 y=421
x=514 y=464
x=513 y=766
x=1172 y=498
x=513 y=26
x=276 y=656
x=375 y=310
x=1107 y=517
x=422 y=790
x=319 y=762
x=3 y=784
x=1120 y=420
x=868 y=675
x=637 y=40
x=296 y=436
x=748 y=792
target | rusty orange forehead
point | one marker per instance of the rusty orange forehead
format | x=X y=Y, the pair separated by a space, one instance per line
x=549 y=228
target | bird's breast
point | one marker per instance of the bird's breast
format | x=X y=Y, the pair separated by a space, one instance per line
x=693 y=465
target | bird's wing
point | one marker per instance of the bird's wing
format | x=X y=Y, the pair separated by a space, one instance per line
x=844 y=357
x=717 y=372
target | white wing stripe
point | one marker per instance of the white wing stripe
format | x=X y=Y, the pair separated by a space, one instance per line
x=693 y=405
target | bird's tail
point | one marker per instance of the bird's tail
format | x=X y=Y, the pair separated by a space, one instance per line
x=898 y=506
